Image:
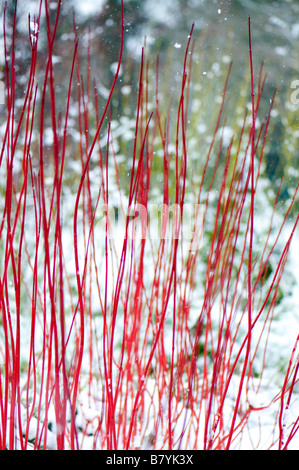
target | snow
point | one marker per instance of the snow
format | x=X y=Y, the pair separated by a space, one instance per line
x=260 y=393
x=165 y=13
x=89 y=7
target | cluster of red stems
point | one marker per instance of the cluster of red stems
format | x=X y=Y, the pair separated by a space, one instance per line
x=142 y=393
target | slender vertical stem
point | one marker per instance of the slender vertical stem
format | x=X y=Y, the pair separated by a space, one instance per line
x=249 y=274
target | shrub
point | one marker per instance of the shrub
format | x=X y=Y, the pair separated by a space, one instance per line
x=138 y=299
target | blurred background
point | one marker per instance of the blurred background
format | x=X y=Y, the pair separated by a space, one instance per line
x=220 y=36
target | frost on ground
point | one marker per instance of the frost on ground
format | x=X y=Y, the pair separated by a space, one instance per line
x=114 y=339
x=260 y=402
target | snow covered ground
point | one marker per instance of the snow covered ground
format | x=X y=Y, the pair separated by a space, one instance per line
x=263 y=416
